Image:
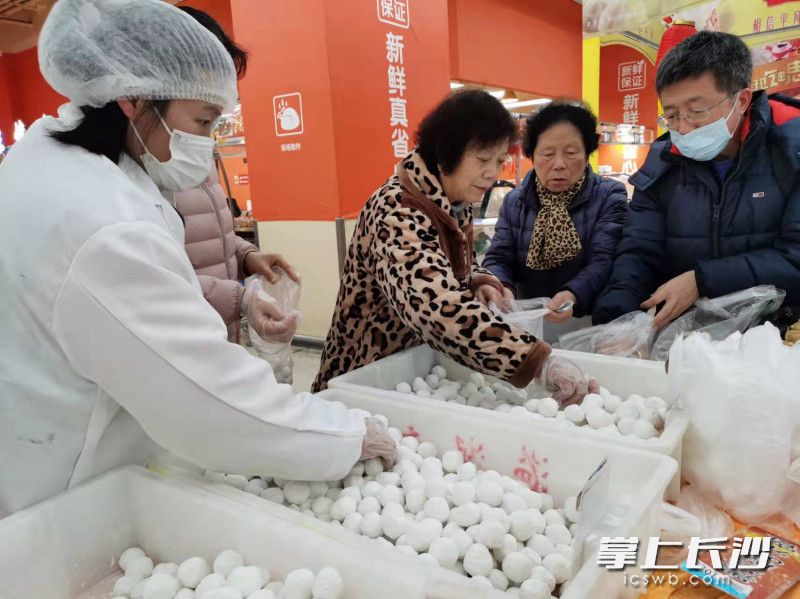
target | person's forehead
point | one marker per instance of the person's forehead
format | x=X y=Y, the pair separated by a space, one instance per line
x=690 y=90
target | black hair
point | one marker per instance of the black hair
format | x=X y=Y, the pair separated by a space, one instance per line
x=722 y=55
x=574 y=113
x=466 y=118
x=238 y=54
x=104 y=130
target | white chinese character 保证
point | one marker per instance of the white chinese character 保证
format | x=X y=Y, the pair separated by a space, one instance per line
x=711 y=545
x=387 y=8
x=617 y=552
x=651 y=559
x=397 y=80
x=394 y=48
x=398 y=116
x=750 y=547
x=400 y=143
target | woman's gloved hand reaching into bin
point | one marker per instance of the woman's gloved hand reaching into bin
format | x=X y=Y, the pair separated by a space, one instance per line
x=566 y=381
x=378 y=443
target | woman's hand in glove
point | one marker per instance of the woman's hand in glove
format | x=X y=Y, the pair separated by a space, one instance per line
x=566 y=381
x=377 y=443
x=265 y=317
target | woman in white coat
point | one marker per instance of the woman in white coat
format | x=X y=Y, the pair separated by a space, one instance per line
x=107 y=348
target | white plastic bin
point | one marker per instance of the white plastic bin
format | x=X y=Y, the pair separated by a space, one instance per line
x=546 y=459
x=622 y=376
x=64 y=546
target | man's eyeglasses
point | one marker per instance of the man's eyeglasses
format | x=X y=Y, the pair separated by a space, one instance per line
x=693 y=117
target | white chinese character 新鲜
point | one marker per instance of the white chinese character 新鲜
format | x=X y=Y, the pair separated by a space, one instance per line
x=750 y=547
x=397 y=80
x=617 y=552
x=394 y=48
x=651 y=559
x=398 y=116
x=400 y=143
x=711 y=545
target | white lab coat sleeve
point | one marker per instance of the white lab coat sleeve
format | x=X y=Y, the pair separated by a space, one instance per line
x=131 y=318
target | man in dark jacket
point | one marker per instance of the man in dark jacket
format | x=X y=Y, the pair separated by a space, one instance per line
x=716 y=207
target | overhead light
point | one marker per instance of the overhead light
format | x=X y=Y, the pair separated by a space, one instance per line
x=455 y=85
x=499 y=93
x=524 y=103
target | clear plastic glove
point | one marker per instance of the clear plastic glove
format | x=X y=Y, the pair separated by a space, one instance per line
x=265 y=317
x=488 y=295
x=566 y=381
x=377 y=443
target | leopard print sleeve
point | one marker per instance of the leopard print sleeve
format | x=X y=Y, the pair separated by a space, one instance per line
x=415 y=276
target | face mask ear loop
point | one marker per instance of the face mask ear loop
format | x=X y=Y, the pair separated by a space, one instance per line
x=139 y=137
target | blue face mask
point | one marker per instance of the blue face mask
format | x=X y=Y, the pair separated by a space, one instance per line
x=706 y=142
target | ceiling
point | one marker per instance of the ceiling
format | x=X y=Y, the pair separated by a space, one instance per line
x=20 y=22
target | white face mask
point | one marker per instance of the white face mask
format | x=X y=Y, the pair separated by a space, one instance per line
x=191 y=162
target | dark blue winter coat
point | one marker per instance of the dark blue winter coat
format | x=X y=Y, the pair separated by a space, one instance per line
x=598 y=211
x=734 y=234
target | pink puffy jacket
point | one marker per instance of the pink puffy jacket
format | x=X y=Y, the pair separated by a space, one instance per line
x=215 y=251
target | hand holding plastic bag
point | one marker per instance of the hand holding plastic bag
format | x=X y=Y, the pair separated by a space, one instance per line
x=629 y=336
x=265 y=317
x=568 y=383
x=378 y=443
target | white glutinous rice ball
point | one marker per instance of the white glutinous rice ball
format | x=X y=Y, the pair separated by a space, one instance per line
x=255 y=486
x=466 y=515
x=395 y=434
x=328 y=584
x=461 y=493
x=226 y=561
x=421 y=534
x=508 y=546
x=565 y=550
x=419 y=384
x=247 y=579
x=321 y=506
x=212 y=581
x=261 y=594
x=318 y=489
x=526 y=524
x=341 y=508
x=491 y=533
x=299 y=584
x=558 y=534
x=236 y=480
x=436 y=487
x=548 y=407
x=478 y=560
x=543 y=574
x=222 y=593
x=462 y=540
x=598 y=418
x=369 y=505
x=467 y=471
x=480 y=582
x=189 y=594
x=534 y=589
x=629 y=409
x=439 y=371
x=558 y=565
x=124 y=585
x=626 y=424
x=541 y=544
x=554 y=517
x=167 y=568
x=643 y=429
x=489 y=492
x=427 y=450
x=432 y=381
x=513 y=503
x=387 y=478
x=532 y=499
x=519 y=411
x=390 y=494
x=498 y=580
x=407 y=549
x=431 y=467
x=411 y=442
x=427 y=559
x=532 y=405
x=353 y=522
x=273 y=494
x=424 y=393
x=437 y=508
x=403 y=388
x=393 y=524
x=571 y=509
x=655 y=403
x=592 y=401
x=373 y=467
x=139 y=566
x=192 y=571
x=575 y=413
x=452 y=460
x=445 y=551
x=372 y=525
x=477 y=379
x=128 y=555
x=532 y=555
x=276 y=587
x=611 y=404
x=517 y=567
x=415 y=500
x=161 y=586
x=138 y=590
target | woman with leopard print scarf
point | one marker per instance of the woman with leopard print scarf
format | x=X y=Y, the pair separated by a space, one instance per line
x=410 y=276
x=557 y=234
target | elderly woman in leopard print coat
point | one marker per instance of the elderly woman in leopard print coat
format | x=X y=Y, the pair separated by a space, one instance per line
x=410 y=276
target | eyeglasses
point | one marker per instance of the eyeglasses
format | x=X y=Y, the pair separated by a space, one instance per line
x=693 y=117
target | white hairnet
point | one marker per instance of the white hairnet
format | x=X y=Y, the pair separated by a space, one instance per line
x=98 y=51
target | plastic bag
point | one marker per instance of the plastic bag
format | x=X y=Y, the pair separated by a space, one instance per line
x=526 y=314
x=286 y=294
x=721 y=316
x=740 y=396
x=629 y=336
x=713 y=521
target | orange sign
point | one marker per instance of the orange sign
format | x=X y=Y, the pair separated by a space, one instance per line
x=627 y=87
x=777 y=76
